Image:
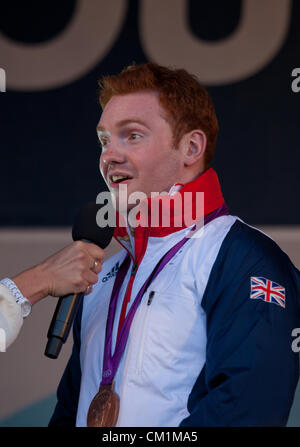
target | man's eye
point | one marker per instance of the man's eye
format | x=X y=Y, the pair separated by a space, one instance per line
x=103 y=142
x=134 y=136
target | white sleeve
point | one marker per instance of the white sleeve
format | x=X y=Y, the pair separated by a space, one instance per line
x=11 y=319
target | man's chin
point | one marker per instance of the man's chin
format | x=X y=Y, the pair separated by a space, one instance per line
x=121 y=199
x=124 y=199
x=121 y=206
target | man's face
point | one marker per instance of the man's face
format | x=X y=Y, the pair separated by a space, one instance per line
x=137 y=143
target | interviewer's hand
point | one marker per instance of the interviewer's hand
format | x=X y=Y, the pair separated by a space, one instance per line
x=71 y=270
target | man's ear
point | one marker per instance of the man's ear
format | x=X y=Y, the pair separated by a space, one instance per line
x=194 y=147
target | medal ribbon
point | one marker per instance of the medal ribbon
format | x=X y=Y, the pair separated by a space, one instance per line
x=111 y=362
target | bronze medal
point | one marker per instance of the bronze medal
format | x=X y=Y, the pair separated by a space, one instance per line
x=104 y=408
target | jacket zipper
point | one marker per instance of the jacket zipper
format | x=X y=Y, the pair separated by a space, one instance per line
x=141 y=349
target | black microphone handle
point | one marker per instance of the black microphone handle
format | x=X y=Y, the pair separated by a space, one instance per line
x=86 y=229
x=61 y=323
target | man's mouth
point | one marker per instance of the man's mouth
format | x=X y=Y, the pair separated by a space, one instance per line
x=115 y=180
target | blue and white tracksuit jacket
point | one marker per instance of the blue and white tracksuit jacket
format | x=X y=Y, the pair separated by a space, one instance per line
x=201 y=352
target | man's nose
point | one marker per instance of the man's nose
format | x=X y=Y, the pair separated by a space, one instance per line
x=110 y=155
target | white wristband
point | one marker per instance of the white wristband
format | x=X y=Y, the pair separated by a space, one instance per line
x=25 y=304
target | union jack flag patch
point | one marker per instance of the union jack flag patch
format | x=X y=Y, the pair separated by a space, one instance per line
x=267 y=290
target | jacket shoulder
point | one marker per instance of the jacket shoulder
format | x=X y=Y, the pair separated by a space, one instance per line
x=246 y=243
x=245 y=252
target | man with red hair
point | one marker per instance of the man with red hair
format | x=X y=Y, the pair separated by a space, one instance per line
x=186 y=326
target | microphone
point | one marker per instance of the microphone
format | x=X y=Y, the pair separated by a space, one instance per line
x=86 y=229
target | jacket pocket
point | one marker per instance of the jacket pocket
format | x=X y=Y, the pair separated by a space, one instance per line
x=172 y=326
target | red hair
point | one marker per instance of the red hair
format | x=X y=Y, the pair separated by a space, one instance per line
x=186 y=102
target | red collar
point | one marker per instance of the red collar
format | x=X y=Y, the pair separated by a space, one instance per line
x=208 y=183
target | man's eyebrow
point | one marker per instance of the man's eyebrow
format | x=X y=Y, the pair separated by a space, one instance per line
x=123 y=123
x=134 y=120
